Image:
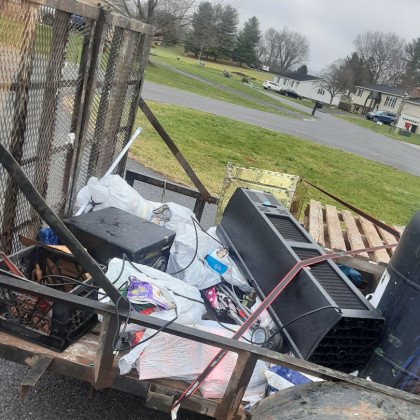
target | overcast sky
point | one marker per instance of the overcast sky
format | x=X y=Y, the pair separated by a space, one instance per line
x=332 y=25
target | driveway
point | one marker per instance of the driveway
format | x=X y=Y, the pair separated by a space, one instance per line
x=326 y=129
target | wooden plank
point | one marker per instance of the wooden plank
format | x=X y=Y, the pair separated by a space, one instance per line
x=105 y=352
x=373 y=239
x=316 y=222
x=228 y=408
x=35 y=374
x=361 y=265
x=388 y=238
x=334 y=229
x=353 y=235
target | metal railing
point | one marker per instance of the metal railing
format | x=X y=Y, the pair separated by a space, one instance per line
x=200 y=202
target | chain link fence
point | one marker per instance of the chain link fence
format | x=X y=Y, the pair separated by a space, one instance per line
x=70 y=80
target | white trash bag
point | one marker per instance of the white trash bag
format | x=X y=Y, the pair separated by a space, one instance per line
x=168 y=356
x=188 y=311
x=113 y=191
x=198 y=273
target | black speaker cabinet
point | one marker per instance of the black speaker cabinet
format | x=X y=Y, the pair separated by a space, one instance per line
x=267 y=242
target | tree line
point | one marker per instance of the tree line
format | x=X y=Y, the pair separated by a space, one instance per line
x=211 y=30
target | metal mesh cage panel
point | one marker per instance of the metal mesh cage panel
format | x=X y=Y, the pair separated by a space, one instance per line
x=67 y=105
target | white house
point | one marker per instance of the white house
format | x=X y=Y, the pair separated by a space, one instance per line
x=306 y=86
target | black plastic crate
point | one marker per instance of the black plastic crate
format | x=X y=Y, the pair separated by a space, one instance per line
x=52 y=324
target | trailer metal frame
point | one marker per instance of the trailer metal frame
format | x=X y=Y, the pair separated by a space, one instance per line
x=91 y=358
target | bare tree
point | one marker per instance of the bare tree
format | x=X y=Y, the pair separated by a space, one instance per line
x=336 y=79
x=285 y=50
x=382 y=55
x=163 y=14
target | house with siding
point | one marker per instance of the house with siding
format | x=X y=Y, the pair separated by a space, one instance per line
x=307 y=86
x=379 y=97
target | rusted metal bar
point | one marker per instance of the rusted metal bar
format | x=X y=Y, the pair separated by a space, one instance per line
x=131 y=176
x=89 y=93
x=199 y=208
x=78 y=108
x=241 y=375
x=104 y=104
x=66 y=83
x=134 y=25
x=175 y=151
x=59 y=37
x=20 y=114
x=71 y=6
x=117 y=98
x=142 y=55
x=104 y=353
x=35 y=373
x=205 y=338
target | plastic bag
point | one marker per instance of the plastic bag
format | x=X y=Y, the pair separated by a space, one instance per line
x=113 y=191
x=280 y=378
x=188 y=311
x=198 y=273
x=169 y=356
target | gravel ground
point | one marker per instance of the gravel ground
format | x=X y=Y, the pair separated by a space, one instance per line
x=57 y=397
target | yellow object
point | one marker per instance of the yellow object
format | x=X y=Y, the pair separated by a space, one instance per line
x=288 y=189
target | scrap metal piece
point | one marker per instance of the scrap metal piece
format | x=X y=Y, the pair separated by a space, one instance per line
x=288 y=189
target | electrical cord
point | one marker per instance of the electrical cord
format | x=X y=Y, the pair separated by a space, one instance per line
x=115 y=342
x=195 y=252
x=284 y=325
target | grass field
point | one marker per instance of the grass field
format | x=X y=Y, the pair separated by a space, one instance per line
x=210 y=142
x=382 y=129
x=213 y=72
x=161 y=75
x=178 y=51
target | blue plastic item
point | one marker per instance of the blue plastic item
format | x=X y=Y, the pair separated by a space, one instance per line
x=47 y=236
x=352 y=274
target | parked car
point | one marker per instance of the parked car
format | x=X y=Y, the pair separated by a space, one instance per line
x=385 y=117
x=290 y=93
x=269 y=85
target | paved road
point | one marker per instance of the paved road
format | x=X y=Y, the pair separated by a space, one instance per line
x=327 y=129
x=231 y=90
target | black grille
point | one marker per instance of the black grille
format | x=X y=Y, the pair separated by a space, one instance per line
x=333 y=284
x=348 y=345
x=287 y=229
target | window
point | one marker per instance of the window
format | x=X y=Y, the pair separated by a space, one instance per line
x=390 y=101
x=359 y=92
x=296 y=85
x=321 y=91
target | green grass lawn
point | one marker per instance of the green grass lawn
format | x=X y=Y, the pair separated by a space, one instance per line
x=381 y=129
x=210 y=142
x=172 y=52
x=158 y=74
x=214 y=72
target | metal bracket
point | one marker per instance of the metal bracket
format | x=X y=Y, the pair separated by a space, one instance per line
x=34 y=374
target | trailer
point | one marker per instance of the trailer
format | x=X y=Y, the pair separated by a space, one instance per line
x=69 y=102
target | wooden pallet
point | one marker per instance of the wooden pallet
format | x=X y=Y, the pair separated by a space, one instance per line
x=343 y=231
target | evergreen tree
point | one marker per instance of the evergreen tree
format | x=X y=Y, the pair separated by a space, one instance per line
x=202 y=37
x=245 y=50
x=303 y=69
x=227 y=26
